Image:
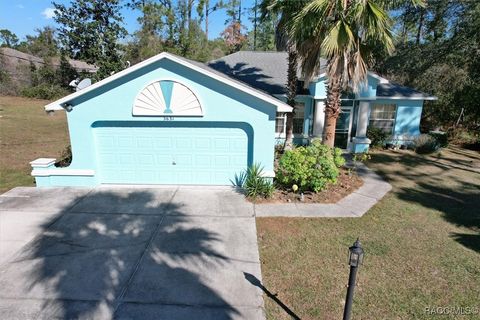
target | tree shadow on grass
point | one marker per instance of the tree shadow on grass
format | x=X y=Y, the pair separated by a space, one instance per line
x=459 y=205
x=126 y=262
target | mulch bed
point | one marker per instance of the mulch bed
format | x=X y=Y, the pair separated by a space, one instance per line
x=346 y=184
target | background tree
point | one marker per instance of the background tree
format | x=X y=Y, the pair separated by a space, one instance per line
x=147 y=41
x=205 y=8
x=43 y=44
x=168 y=26
x=262 y=37
x=8 y=38
x=443 y=61
x=234 y=37
x=286 y=10
x=90 y=30
x=65 y=73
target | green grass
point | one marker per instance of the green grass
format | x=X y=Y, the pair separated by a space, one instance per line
x=27 y=133
x=422 y=245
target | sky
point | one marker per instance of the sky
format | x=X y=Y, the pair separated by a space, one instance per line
x=22 y=17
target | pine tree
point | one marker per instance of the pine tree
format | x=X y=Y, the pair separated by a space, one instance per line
x=90 y=30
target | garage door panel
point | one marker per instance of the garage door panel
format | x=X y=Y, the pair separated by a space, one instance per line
x=145 y=142
x=183 y=160
x=146 y=160
x=203 y=161
x=106 y=141
x=203 y=143
x=162 y=155
x=127 y=159
x=126 y=142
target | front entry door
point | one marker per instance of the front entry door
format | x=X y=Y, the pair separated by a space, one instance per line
x=342 y=129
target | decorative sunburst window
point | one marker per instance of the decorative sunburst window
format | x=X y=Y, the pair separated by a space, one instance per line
x=166 y=98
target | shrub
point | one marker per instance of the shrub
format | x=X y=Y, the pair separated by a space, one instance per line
x=469 y=139
x=425 y=143
x=278 y=151
x=338 y=158
x=44 y=91
x=312 y=168
x=441 y=137
x=65 y=158
x=255 y=184
x=377 y=136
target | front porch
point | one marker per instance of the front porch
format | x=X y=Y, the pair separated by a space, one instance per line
x=309 y=122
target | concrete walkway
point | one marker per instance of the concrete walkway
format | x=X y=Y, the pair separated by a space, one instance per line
x=354 y=205
x=128 y=253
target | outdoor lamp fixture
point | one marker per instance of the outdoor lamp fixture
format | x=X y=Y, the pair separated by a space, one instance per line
x=355 y=259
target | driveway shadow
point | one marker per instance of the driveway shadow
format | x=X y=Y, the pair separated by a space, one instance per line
x=123 y=256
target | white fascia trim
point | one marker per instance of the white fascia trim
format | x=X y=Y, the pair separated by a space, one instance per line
x=372 y=74
x=58 y=105
x=284 y=95
x=62 y=172
x=406 y=98
x=376 y=76
x=319 y=77
x=366 y=98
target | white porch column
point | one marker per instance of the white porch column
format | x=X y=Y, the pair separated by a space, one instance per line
x=362 y=123
x=319 y=118
x=361 y=142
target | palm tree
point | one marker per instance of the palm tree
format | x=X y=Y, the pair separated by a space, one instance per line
x=287 y=10
x=345 y=32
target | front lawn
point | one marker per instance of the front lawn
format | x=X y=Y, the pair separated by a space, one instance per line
x=27 y=133
x=422 y=245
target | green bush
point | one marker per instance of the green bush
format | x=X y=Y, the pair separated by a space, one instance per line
x=377 y=136
x=65 y=158
x=311 y=168
x=255 y=184
x=441 y=137
x=44 y=91
x=338 y=158
x=425 y=143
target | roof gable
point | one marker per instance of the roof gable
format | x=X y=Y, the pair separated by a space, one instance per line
x=199 y=67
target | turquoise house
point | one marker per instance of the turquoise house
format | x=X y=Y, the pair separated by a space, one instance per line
x=166 y=120
x=169 y=120
x=379 y=103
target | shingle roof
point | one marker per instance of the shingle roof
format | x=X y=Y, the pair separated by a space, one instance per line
x=267 y=71
x=76 y=64
x=396 y=91
x=264 y=70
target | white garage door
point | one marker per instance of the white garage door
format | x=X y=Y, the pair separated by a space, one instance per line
x=170 y=155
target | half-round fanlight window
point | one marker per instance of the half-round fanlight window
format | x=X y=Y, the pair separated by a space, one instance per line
x=166 y=98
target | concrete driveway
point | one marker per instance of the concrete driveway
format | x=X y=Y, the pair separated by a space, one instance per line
x=128 y=253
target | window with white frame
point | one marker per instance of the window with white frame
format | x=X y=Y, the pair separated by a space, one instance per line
x=280 y=123
x=298 y=121
x=382 y=116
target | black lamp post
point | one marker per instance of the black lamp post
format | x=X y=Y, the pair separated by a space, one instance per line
x=355 y=259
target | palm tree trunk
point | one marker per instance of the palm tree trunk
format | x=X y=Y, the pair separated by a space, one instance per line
x=291 y=94
x=332 y=110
